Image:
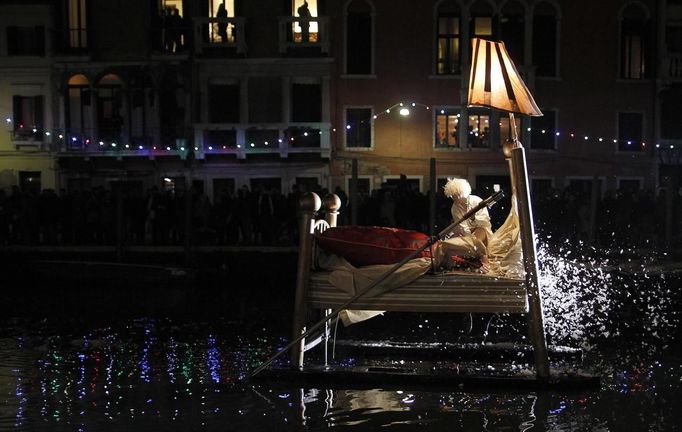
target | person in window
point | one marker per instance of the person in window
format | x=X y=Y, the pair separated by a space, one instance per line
x=304 y=12
x=470 y=238
x=222 y=25
x=174 y=29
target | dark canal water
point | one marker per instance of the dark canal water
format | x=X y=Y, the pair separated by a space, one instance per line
x=91 y=366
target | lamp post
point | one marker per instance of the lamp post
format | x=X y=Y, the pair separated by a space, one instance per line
x=495 y=83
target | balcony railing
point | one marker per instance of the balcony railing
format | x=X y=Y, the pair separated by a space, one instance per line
x=281 y=139
x=29 y=137
x=672 y=66
x=210 y=33
x=293 y=35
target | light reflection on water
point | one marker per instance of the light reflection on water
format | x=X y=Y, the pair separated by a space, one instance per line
x=173 y=374
x=164 y=375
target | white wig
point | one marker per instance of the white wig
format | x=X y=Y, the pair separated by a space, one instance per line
x=457 y=188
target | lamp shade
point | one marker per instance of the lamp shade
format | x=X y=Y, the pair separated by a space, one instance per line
x=494 y=81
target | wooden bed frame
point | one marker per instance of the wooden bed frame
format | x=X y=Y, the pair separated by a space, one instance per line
x=449 y=292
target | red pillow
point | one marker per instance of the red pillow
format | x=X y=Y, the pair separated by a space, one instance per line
x=366 y=245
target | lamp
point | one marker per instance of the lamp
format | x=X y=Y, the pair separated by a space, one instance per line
x=494 y=82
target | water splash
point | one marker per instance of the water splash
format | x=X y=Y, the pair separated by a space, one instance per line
x=590 y=299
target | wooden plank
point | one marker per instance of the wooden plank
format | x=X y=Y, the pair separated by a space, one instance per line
x=454 y=292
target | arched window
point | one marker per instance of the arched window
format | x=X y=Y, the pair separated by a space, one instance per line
x=110 y=108
x=634 y=42
x=77 y=112
x=513 y=30
x=448 y=38
x=545 y=39
x=482 y=23
x=359 y=38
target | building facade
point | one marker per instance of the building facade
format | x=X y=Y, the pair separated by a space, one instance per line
x=268 y=94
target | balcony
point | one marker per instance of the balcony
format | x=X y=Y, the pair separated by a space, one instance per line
x=220 y=36
x=293 y=40
x=281 y=139
x=29 y=137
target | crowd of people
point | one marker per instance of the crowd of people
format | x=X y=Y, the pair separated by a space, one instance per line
x=268 y=217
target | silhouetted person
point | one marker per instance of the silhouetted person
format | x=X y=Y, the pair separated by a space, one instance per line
x=222 y=25
x=174 y=30
x=304 y=12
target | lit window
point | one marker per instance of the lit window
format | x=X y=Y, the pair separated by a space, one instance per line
x=633 y=43
x=305 y=31
x=478 y=133
x=505 y=130
x=220 y=29
x=447 y=128
x=78 y=30
x=448 y=39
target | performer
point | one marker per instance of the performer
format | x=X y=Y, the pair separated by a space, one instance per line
x=470 y=238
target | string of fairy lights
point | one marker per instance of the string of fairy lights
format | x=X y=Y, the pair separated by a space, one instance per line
x=292 y=135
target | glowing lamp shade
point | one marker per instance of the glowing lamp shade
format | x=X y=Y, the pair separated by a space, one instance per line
x=494 y=81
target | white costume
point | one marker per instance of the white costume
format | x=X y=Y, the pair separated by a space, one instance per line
x=471 y=235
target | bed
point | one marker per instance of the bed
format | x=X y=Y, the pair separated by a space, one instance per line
x=448 y=292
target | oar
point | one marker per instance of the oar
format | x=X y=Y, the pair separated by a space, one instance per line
x=488 y=202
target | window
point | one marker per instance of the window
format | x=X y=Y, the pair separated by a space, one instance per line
x=28 y=117
x=78 y=117
x=448 y=60
x=265 y=99
x=25 y=41
x=634 y=43
x=671 y=127
x=481 y=20
x=359 y=38
x=630 y=127
x=172 y=14
x=512 y=30
x=447 y=128
x=306 y=102
x=505 y=130
x=78 y=31
x=223 y=103
x=221 y=31
x=359 y=127
x=141 y=124
x=545 y=39
x=305 y=31
x=543 y=131
x=109 y=109
x=478 y=133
